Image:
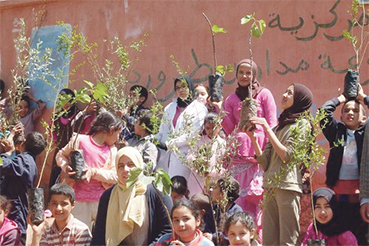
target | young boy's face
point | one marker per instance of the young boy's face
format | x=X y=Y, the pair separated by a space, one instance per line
x=60 y=207
x=139 y=129
x=352 y=115
x=175 y=196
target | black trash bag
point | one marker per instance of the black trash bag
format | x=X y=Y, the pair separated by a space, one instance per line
x=216 y=87
x=351 y=84
x=77 y=163
x=248 y=110
x=36 y=205
x=316 y=242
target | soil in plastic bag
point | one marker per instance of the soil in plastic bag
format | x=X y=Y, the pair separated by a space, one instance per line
x=248 y=110
x=77 y=162
x=36 y=205
x=316 y=242
x=216 y=87
x=351 y=84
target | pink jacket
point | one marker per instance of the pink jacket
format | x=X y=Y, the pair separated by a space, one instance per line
x=9 y=233
x=266 y=108
x=346 y=238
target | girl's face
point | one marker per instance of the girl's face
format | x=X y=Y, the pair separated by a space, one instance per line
x=239 y=234
x=323 y=211
x=23 y=108
x=182 y=90
x=210 y=131
x=112 y=137
x=287 y=98
x=125 y=166
x=185 y=224
x=201 y=94
x=244 y=74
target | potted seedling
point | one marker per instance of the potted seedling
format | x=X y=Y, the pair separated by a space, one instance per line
x=357 y=35
x=249 y=105
x=216 y=80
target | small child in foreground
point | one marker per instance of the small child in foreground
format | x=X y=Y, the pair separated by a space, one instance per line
x=65 y=230
x=9 y=230
x=240 y=229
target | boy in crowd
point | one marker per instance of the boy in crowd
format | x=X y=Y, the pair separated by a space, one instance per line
x=18 y=174
x=65 y=230
x=140 y=94
x=343 y=167
x=143 y=140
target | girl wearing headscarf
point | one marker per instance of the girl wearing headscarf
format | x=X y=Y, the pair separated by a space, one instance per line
x=130 y=214
x=183 y=119
x=281 y=210
x=328 y=222
x=244 y=167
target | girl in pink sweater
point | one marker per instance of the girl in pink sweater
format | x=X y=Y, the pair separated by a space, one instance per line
x=244 y=167
x=99 y=152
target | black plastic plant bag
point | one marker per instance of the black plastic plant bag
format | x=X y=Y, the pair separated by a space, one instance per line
x=216 y=87
x=248 y=110
x=351 y=84
x=315 y=242
x=36 y=205
x=77 y=163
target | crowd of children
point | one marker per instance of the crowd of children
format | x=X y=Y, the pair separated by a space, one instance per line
x=229 y=201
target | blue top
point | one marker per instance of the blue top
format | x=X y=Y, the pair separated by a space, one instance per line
x=16 y=177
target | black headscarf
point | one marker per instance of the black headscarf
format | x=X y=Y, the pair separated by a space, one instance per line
x=302 y=100
x=184 y=103
x=334 y=226
x=243 y=91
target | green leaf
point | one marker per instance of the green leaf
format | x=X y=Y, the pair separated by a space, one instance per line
x=247 y=18
x=262 y=25
x=255 y=31
x=100 y=92
x=90 y=84
x=217 y=29
x=133 y=175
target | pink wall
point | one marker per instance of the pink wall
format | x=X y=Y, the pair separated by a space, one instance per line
x=296 y=47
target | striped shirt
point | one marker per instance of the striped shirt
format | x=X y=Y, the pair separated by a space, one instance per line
x=75 y=233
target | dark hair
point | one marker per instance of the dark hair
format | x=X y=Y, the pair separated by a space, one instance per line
x=5 y=204
x=105 y=122
x=188 y=204
x=19 y=138
x=232 y=187
x=202 y=201
x=26 y=99
x=62 y=189
x=211 y=118
x=35 y=143
x=179 y=185
x=72 y=110
x=142 y=91
x=244 y=217
x=144 y=118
